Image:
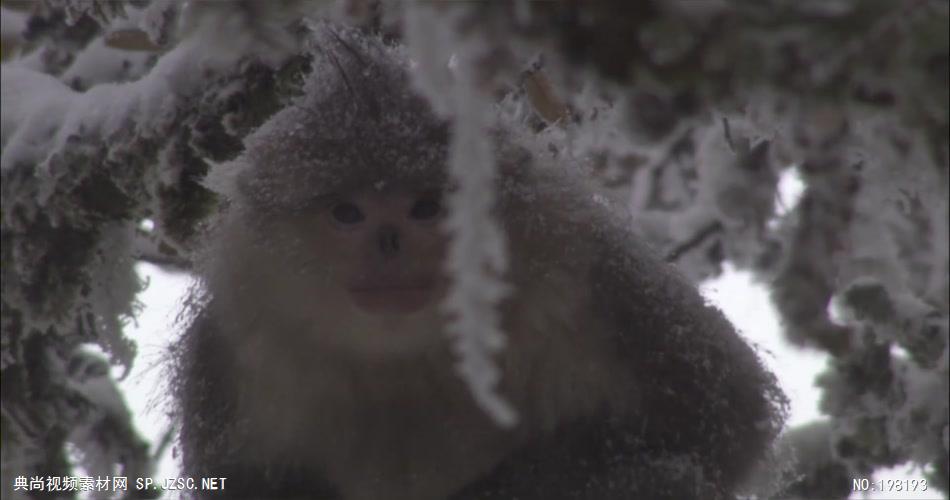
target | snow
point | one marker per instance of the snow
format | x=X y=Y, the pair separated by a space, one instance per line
x=477 y=257
x=477 y=253
x=34 y=104
x=98 y=63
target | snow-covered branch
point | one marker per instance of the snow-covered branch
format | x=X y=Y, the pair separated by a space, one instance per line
x=477 y=256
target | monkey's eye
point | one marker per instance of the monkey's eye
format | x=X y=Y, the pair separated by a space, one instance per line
x=347 y=213
x=426 y=208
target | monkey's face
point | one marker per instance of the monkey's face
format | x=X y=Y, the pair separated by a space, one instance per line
x=388 y=248
x=362 y=270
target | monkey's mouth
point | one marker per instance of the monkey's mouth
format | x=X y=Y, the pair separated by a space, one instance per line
x=391 y=298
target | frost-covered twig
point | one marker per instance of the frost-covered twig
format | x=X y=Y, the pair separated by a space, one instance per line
x=79 y=170
x=477 y=255
x=694 y=241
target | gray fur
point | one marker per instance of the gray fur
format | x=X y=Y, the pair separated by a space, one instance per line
x=628 y=385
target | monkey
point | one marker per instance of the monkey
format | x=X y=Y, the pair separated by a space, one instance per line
x=316 y=365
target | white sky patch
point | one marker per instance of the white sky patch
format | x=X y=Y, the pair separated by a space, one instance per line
x=153 y=331
x=790 y=189
x=746 y=303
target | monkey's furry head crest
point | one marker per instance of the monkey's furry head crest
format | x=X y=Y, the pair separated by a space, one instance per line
x=358 y=122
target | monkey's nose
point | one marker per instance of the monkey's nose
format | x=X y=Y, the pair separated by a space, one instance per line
x=389 y=241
